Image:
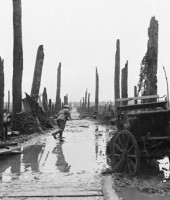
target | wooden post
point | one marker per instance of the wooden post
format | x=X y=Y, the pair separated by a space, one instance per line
x=58 y=100
x=37 y=73
x=117 y=74
x=17 y=57
x=1 y=98
x=97 y=93
x=124 y=83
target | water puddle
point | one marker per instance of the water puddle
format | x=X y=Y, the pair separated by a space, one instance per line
x=83 y=152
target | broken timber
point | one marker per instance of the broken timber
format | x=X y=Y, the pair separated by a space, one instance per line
x=37 y=73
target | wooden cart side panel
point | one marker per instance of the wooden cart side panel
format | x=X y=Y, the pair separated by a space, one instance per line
x=152 y=124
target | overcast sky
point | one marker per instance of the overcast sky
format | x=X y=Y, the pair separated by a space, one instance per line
x=82 y=34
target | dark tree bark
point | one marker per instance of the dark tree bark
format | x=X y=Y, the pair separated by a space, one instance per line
x=50 y=107
x=9 y=101
x=66 y=100
x=124 y=82
x=85 y=100
x=117 y=71
x=88 y=102
x=37 y=73
x=117 y=74
x=97 y=92
x=17 y=57
x=58 y=99
x=1 y=97
x=148 y=72
x=83 y=105
x=151 y=81
x=45 y=102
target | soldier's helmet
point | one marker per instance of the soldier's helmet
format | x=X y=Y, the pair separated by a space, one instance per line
x=66 y=106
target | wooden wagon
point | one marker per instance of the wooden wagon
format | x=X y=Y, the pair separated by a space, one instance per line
x=143 y=131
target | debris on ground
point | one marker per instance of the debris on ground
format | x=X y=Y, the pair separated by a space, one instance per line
x=144 y=183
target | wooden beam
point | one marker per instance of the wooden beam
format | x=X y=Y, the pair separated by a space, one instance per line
x=138 y=98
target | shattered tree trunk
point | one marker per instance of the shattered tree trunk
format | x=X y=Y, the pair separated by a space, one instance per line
x=151 y=81
x=58 y=99
x=83 y=105
x=85 y=100
x=17 y=58
x=1 y=97
x=97 y=92
x=50 y=107
x=9 y=101
x=37 y=73
x=88 y=105
x=117 y=74
x=66 y=100
x=124 y=83
x=45 y=103
x=53 y=108
x=80 y=104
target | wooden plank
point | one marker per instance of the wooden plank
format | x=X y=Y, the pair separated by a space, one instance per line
x=52 y=192
x=137 y=98
x=150 y=112
x=143 y=106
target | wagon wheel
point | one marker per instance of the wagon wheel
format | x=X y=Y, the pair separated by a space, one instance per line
x=125 y=153
x=25 y=123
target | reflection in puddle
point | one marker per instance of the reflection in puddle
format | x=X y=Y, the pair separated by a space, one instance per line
x=31 y=158
x=61 y=164
x=82 y=152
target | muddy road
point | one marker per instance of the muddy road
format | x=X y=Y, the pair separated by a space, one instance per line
x=47 y=168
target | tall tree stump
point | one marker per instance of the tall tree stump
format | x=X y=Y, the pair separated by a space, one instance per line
x=1 y=98
x=17 y=58
x=37 y=73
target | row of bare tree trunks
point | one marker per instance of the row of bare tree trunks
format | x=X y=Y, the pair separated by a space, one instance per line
x=18 y=71
x=148 y=73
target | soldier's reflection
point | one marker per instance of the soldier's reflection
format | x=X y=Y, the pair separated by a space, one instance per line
x=61 y=164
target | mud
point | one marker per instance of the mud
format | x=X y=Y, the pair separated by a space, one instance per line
x=147 y=184
x=48 y=168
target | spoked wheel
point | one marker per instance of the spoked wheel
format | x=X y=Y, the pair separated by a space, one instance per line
x=125 y=153
x=25 y=123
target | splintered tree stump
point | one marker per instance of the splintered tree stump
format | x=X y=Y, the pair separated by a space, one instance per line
x=1 y=97
x=58 y=99
x=17 y=57
x=117 y=74
x=97 y=92
x=37 y=73
x=124 y=83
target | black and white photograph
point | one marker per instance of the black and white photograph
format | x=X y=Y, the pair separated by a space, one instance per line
x=84 y=100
